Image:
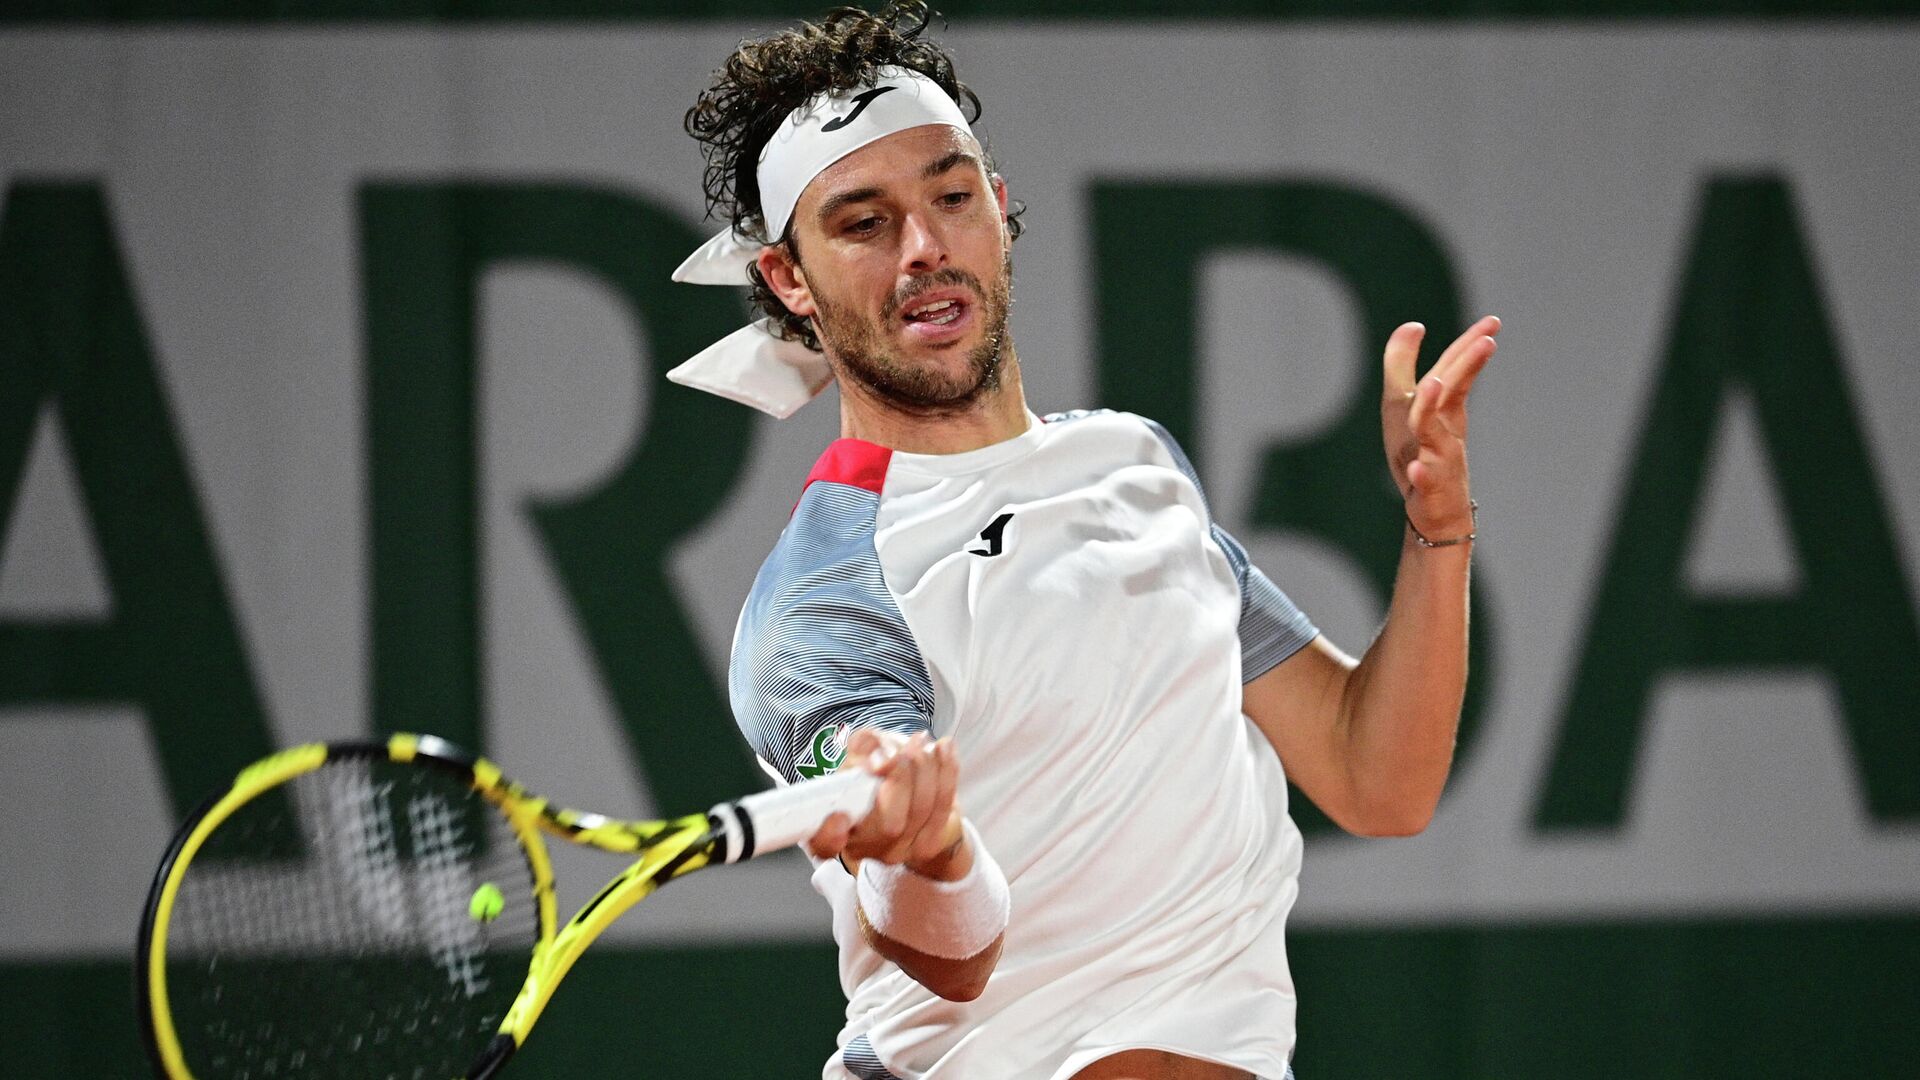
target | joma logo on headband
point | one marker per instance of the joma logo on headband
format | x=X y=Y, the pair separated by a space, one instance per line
x=860 y=103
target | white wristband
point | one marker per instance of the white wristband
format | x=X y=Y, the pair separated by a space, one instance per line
x=949 y=919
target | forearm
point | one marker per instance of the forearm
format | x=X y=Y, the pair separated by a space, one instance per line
x=1401 y=707
x=942 y=921
x=1371 y=743
x=955 y=980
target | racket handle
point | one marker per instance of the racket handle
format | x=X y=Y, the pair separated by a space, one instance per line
x=780 y=818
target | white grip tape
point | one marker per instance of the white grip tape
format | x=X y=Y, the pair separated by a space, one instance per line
x=780 y=818
x=953 y=920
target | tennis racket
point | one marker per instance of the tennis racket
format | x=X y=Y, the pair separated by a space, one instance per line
x=386 y=909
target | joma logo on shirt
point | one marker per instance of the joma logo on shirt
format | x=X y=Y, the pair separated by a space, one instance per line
x=829 y=746
x=991 y=534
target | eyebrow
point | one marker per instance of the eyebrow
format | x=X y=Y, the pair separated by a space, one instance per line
x=944 y=164
x=836 y=203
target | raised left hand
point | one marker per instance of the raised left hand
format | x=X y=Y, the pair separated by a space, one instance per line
x=1424 y=425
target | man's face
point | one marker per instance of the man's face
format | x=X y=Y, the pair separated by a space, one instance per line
x=905 y=268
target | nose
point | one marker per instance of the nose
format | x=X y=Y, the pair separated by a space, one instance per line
x=922 y=247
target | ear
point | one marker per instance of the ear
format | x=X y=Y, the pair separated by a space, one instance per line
x=1006 y=224
x=787 y=280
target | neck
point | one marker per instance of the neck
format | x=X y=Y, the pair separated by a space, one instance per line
x=994 y=417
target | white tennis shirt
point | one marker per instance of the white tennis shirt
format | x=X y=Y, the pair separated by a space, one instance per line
x=1063 y=605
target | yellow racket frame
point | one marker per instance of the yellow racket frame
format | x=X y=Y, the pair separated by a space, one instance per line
x=667 y=849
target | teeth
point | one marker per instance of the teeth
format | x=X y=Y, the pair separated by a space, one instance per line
x=930 y=309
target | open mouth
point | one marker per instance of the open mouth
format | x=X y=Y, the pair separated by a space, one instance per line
x=941 y=311
x=938 y=317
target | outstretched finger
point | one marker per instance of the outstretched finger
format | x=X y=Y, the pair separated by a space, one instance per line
x=1428 y=398
x=1403 y=350
x=1468 y=368
x=1484 y=327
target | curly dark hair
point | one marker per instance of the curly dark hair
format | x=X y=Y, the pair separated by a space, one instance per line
x=765 y=80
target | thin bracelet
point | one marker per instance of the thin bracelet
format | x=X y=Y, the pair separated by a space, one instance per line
x=1473 y=512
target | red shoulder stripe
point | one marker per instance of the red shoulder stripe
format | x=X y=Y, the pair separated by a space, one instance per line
x=853 y=462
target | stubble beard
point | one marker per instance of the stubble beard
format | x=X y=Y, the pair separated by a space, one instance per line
x=859 y=349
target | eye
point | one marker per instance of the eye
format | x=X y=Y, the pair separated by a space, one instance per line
x=864 y=226
x=953 y=200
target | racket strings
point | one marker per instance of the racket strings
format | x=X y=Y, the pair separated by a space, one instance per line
x=340 y=929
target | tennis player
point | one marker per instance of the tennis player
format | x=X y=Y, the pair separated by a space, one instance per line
x=1085 y=700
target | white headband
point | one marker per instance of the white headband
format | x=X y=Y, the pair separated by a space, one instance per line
x=753 y=365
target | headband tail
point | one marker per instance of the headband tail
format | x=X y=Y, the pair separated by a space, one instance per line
x=722 y=260
x=754 y=367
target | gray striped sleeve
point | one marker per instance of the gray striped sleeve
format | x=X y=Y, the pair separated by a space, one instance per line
x=861 y=1061
x=1272 y=628
x=821 y=645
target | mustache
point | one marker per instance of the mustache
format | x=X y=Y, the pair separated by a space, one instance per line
x=923 y=285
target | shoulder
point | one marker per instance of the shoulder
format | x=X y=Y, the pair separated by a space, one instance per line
x=1071 y=415
x=832 y=520
x=821 y=643
x=851 y=463
x=1145 y=436
x=1107 y=419
x=825 y=555
x=1111 y=422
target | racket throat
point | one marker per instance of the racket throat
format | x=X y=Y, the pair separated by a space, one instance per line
x=495 y=1058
